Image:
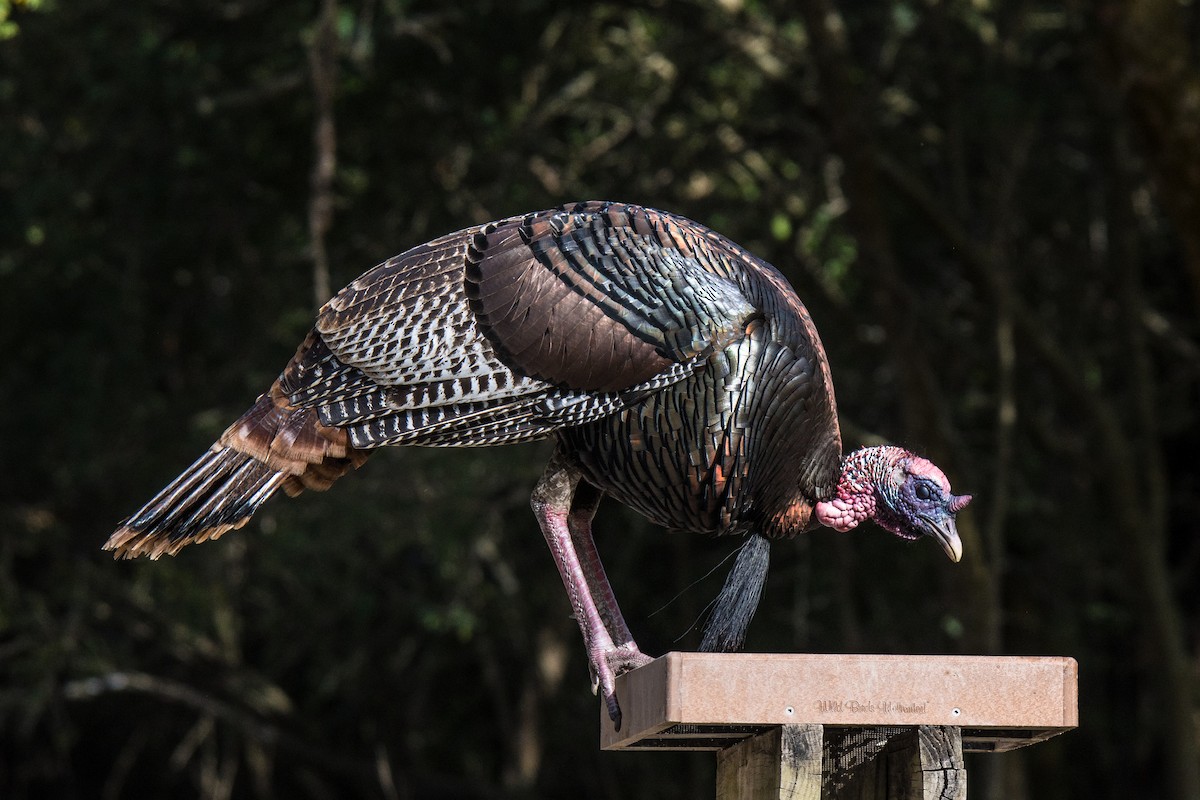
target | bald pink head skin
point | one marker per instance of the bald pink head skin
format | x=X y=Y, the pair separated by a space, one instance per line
x=901 y=492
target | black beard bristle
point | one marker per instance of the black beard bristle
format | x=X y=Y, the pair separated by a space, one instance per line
x=725 y=630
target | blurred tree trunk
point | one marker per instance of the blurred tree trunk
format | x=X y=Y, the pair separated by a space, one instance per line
x=1153 y=61
x=322 y=61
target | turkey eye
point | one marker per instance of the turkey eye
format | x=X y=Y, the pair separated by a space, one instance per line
x=923 y=492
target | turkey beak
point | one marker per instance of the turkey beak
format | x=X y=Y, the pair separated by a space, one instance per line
x=946 y=532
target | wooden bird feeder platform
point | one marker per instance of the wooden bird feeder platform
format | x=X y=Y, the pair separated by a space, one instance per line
x=866 y=727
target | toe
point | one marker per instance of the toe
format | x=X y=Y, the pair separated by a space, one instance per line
x=614 y=711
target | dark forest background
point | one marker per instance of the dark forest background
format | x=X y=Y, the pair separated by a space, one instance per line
x=992 y=210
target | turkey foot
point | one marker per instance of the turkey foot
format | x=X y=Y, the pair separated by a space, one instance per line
x=607 y=667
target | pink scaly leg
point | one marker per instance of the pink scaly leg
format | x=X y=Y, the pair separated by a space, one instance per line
x=583 y=509
x=552 y=503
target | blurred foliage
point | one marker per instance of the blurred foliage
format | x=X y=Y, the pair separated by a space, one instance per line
x=405 y=634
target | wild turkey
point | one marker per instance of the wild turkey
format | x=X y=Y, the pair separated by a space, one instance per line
x=679 y=374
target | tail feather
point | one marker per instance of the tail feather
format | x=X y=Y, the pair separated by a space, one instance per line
x=195 y=478
x=238 y=496
x=272 y=445
x=217 y=493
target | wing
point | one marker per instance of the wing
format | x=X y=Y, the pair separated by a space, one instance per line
x=515 y=329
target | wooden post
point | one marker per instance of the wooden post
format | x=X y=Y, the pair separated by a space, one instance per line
x=842 y=727
x=782 y=764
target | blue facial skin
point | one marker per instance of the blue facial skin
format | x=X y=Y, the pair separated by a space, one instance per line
x=919 y=506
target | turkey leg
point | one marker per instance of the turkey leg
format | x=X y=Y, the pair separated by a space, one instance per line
x=552 y=503
x=583 y=510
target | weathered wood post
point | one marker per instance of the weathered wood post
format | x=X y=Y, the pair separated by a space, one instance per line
x=842 y=727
